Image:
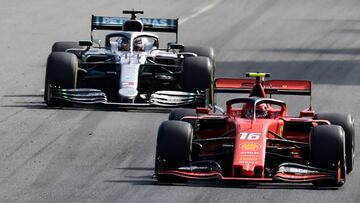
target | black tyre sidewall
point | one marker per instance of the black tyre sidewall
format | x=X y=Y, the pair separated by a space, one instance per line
x=347 y=123
x=174 y=143
x=327 y=149
x=61 y=70
x=196 y=74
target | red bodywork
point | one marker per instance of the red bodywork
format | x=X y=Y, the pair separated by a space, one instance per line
x=254 y=141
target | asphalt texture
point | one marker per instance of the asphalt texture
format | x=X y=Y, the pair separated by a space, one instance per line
x=83 y=155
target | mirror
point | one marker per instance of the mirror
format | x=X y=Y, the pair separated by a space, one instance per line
x=85 y=43
x=175 y=46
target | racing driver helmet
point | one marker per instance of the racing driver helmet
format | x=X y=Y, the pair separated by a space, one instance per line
x=124 y=45
x=261 y=111
x=138 y=44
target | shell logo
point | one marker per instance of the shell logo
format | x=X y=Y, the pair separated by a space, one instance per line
x=250 y=146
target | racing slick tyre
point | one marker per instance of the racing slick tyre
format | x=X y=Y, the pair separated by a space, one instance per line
x=197 y=75
x=174 y=146
x=207 y=52
x=201 y=51
x=347 y=123
x=64 y=45
x=327 y=151
x=61 y=71
x=179 y=113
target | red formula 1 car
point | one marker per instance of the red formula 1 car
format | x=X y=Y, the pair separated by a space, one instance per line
x=256 y=139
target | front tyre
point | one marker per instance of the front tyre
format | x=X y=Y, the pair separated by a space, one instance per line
x=61 y=71
x=327 y=151
x=347 y=123
x=174 y=146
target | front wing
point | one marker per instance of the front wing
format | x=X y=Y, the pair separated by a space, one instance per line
x=97 y=97
x=286 y=172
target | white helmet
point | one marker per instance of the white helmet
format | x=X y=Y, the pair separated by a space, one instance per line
x=138 y=44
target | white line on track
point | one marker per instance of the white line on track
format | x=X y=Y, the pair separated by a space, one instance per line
x=199 y=12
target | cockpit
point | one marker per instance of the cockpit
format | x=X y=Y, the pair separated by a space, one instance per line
x=255 y=107
x=131 y=42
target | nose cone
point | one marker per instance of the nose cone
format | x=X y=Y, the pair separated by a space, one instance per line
x=128 y=93
x=250 y=147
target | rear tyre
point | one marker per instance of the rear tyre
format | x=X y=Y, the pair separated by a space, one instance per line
x=201 y=51
x=197 y=75
x=327 y=150
x=347 y=123
x=173 y=147
x=206 y=52
x=64 y=45
x=178 y=114
x=61 y=71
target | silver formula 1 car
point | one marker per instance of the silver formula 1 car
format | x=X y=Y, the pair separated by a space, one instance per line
x=130 y=69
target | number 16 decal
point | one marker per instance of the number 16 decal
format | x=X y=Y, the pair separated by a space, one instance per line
x=250 y=136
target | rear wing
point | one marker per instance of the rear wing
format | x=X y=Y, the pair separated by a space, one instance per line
x=284 y=87
x=150 y=24
x=287 y=87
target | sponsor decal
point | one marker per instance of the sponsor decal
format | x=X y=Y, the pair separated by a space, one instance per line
x=248 y=160
x=250 y=146
x=194 y=168
x=157 y=22
x=127 y=84
x=100 y=20
x=113 y=21
x=294 y=170
x=249 y=153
